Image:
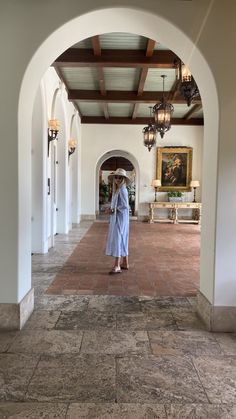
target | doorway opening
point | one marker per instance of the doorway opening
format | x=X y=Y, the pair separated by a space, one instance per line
x=105 y=185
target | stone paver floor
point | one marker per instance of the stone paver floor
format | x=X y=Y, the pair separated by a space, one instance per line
x=113 y=357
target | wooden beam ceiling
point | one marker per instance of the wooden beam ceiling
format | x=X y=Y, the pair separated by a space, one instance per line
x=75 y=57
x=117 y=96
x=140 y=59
x=136 y=121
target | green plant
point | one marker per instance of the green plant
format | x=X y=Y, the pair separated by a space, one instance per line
x=172 y=194
x=103 y=192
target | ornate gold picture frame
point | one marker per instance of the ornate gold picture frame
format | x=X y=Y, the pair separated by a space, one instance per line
x=174 y=168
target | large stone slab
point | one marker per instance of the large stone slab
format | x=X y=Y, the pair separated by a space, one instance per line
x=114 y=304
x=42 y=319
x=144 y=321
x=86 y=320
x=84 y=378
x=116 y=411
x=6 y=338
x=158 y=379
x=200 y=411
x=218 y=376
x=227 y=342
x=115 y=342
x=47 y=341
x=33 y=410
x=16 y=371
x=62 y=303
x=183 y=342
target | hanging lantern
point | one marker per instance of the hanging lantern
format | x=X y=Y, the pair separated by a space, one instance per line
x=188 y=86
x=149 y=134
x=162 y=113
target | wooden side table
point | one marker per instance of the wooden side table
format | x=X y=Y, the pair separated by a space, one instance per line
x=174 y=208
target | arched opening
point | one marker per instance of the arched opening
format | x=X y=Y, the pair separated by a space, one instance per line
x=109 y=163
x=154 y=27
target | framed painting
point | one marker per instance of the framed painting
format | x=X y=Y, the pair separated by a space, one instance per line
x=174 y=168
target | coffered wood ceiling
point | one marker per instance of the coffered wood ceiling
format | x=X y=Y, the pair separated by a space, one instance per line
x=114 y=78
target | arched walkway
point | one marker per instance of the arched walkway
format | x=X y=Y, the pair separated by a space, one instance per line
x=154 y=27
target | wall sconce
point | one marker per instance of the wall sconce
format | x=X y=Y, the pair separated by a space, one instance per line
x=71 y=146
x=194 y=184
x=156 y=183
x=53 y=129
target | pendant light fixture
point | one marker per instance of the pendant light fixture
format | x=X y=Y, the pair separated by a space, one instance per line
x=162 y=113
x=149 y=134
x=188 y=86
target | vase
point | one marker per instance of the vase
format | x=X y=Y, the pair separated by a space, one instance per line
x=175 y=199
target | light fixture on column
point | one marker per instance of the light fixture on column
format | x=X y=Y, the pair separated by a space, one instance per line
x=162 y=113
x=53 y=129
x=71 y=146
x=156 y=183
x=149 y=134
x=188 y=86
x=194 y=184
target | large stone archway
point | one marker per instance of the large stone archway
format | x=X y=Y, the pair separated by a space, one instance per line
x=126 y=19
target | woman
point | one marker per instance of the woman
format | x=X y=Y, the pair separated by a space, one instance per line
x=118 y=234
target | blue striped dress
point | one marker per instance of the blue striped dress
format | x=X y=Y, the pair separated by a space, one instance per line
x=118 y=233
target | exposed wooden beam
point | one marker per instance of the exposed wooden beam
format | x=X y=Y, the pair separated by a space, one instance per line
x=105 y=110
x=143 y=75
x=144 y=71
x=150 y=47
x=194 y=109
x=101 y=80
x=137 y=121
x=118 y=96
x=62 y=78
x=135 y=110
x=142 y=80
x=75 y=57
x=174 y=92
x=96 y=45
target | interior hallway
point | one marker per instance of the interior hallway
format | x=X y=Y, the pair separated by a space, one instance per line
x=110 y=357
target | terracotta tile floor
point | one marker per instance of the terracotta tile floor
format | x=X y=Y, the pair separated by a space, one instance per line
x=164 y=261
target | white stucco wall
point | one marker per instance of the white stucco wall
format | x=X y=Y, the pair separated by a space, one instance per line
x=100 y=139
x=191 y=29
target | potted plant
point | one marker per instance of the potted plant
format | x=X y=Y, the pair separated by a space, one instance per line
x=103 y=192
x=131 y=194
x=175 y=196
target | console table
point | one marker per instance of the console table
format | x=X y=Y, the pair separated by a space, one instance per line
x=174 y=208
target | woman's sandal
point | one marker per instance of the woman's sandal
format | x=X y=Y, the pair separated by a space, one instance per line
x=125 y=268
x=115 y=271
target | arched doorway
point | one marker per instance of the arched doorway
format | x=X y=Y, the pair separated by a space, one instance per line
x=119 y=19
x=105 y=186
x=109 y=162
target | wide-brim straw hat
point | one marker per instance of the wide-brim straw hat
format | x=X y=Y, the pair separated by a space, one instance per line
x=120 y=172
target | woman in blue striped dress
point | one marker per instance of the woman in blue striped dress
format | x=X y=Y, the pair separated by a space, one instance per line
x=118 y=233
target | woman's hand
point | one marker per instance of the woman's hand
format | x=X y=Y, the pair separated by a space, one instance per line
x=110 y=211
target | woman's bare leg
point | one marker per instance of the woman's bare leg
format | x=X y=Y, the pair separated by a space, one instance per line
x=117 y=263
x=125 y=262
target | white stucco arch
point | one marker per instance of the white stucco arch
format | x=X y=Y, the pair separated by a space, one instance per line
x=117 y=153
x=151 y=26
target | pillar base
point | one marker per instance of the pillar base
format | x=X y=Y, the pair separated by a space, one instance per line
x=14 y=316
x=216 y=318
